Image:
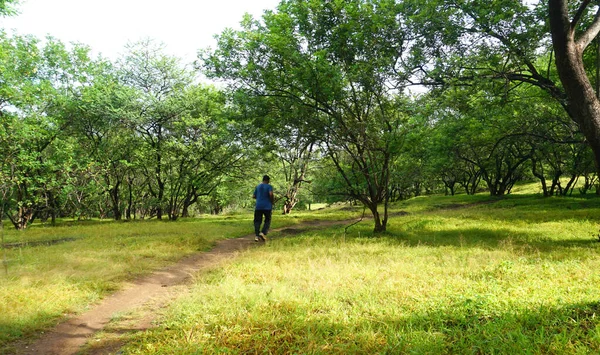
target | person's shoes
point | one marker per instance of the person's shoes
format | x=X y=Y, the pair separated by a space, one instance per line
x=263 y=237
x=256 y=239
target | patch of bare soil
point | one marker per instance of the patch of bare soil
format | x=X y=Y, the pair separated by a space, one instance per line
x=292 y=231
x=144 y=297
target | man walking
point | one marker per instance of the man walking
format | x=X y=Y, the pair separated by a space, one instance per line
x=264 y=207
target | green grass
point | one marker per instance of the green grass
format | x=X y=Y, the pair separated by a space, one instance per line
x=47 y=282
x=461 y=274
x=519 y=275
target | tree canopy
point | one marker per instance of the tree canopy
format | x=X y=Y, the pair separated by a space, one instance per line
x=367 y=101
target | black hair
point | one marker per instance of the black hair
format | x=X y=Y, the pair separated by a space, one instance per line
x=266 y=178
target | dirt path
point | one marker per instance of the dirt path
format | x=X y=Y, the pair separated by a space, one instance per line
x=145 y=295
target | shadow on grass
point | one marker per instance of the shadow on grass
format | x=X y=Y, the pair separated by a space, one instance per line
x=473 y=326
x=68 y=222
x=15 y=334
x=531 y=208
x=490 y=238
x=519 y=220
x=468 y=326
x=477 y=326
x=426 y=232
x=37 y=243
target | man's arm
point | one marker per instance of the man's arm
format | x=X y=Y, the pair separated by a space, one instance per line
x=271 y=197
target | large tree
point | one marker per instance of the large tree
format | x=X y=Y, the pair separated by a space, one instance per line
x=159 y=82
x=509 y=41
x=488 y=134
x=203 y=149
x=571 y=36
x=100 y=123
x=38 y=83
x=340 y=59
x=276 y=128
x=188 y=141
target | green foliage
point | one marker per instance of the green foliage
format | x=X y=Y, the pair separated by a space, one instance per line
x=464 y=39
x=39 y=84
x=88 y=138
x=497 y=136
x=331 y=67
x=316 y=95
x=188 y=142
x=7 y=7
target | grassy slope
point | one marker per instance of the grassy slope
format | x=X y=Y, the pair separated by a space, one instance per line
x=46 y=282
x=518 y=275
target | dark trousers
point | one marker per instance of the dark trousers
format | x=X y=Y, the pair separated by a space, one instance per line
x=258 y=217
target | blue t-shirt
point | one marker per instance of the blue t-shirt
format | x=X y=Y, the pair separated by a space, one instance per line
x=263 y=199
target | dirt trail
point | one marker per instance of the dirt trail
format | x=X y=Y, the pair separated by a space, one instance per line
x=156 y=290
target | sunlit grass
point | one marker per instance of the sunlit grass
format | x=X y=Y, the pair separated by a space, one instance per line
x=514 y=276
x=44 y=282
x=535 y=187
x=462 y=274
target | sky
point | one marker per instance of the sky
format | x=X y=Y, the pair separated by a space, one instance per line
x=184 y=26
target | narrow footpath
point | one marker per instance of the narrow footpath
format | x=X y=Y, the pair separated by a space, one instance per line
x=145 y=296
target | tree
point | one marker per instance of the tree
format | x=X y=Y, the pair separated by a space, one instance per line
x=569 y=45
x=486 y=133
x=159 y=82
x=276 y=129
x=339 y=59
x=203 y=149
x=187 y=139
x=295 y=156
x=100 y=122
x=469 y=41
x=37 y=84
x=558 y=148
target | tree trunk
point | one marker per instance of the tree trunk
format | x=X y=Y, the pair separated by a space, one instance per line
x=189 y=200
x=291 y=196
x=161 y=194
x=25 y=215
x=582 y=104
x=570 y=185
x=450 y=184
x=158 y=171
x=540 y=175
x=26 y=211
x=114 y=197
x=130 y=198
x=380 y=225
x=52 y=206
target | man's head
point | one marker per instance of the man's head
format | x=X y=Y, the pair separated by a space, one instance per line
x=266 y=179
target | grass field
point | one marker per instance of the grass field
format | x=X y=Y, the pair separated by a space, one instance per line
x=68 y=267
x=462 y=274
x=515 y=276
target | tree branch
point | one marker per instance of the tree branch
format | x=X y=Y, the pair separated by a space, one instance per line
x=588 y=36
x=579 y=14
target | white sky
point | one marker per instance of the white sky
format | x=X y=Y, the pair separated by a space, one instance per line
x=107 y=25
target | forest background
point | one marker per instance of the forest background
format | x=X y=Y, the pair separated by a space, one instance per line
x=316 y=94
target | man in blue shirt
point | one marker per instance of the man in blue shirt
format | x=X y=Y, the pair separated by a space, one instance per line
x=264 y=207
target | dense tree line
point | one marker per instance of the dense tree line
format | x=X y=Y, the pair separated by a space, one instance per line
x=318 y=95
x=83 y=137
